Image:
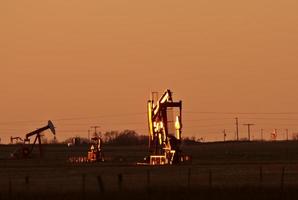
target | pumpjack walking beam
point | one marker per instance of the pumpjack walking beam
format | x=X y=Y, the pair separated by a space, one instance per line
x=38 y=136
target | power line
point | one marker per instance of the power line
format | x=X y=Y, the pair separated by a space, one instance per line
x=263 y=118
x=96 y=117
x=128 y=114
x=243 y=113
x=198 y=120
x=207 y=125
x=103 y=123
x=73 y=118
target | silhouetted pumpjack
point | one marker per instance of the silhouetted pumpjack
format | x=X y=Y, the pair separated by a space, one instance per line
x=26 y=149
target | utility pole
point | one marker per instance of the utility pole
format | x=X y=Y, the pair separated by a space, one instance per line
x=287 y=134
x=248 y=129
x=262 y=134
x=237 y=129
x=224 y=134
x=89 y=134
x=95 y=132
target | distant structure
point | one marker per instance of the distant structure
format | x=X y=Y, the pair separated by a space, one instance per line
x=262 y=137
x=75 y=141
x=248 y=129
x=95 y=131
x=95 y=153
x=287 y=134
x=224 y=134
x=237 y=129
x=274 y=135
x=17 y=139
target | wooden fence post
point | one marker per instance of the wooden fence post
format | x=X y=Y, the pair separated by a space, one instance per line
x=261 y=176
x=100 y=184
x=148 y=185
x=9 y=189
x=148 y=178
x=282 y=181
x=83 y=186
x=210 y=178
x=120 y=182
x=188 y=178
x=27 y=182
x=27 y=187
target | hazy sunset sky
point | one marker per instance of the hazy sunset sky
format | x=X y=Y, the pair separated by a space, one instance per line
x=83 y=63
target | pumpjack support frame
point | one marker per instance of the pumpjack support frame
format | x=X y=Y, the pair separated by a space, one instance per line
x=165 y=128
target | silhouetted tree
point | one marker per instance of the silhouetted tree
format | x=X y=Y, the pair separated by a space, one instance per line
x=110 y=135
x=53 y=141
x=191 y=140
x=83 y=140
x=126 y=137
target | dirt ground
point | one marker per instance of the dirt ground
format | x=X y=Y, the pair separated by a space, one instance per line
x=243 y=170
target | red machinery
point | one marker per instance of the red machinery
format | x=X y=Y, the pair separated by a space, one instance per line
x=27 y=148
x=95 y=152
x=165 y=125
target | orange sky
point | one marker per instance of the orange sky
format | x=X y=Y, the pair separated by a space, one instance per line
x=101 y=59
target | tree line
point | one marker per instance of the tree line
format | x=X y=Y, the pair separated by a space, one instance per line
x=125 y=137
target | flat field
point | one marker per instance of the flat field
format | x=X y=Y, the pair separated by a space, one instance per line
x=230 y=170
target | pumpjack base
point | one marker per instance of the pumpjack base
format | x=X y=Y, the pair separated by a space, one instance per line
x=160 y=160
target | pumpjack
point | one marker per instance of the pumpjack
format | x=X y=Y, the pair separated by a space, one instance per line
x=165 y=127
x=17 y=139
x=95 y=152
x=26 y=149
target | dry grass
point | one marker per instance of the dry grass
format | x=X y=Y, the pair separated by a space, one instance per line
x=218 y=171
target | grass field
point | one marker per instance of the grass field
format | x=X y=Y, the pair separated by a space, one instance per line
x=244 y=170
